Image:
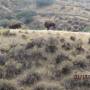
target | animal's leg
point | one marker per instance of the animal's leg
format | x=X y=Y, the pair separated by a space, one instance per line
x=48 y=28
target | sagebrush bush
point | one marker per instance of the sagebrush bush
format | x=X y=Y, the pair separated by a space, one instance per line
x=18 y=53
x=39 y=88
x=46 y=86
x=30 y=45
x=22 y=54
x=89 y=41
x=51 y=48
x=66 y=70
x=79 y=49
x=4 y=85
x=62 y=70
x=80 y=64
x=52 y=41
x=30 y=79
x=39 y=42
x=6 y=33
x=88 y=56
x=77 y=84
x=62 y=40
x=24 y=36
x=3 y=59
x=67 y=46
x=1 y=73
x=61 y=57
x=57 y=75
x=12 y=70
x=73 y=38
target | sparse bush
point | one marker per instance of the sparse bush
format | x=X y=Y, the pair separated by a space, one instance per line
x=12 y=70
x=59 y=72
x=1 y=72
x=66 y=70
x=89 y=41
x=26 y=57
x=24 y=36
x=3 y=59
x=57 y=75
x=7 y=86
x=62 y=40
x=38 y=42
x=18 y=54
x=67 y=46
x=52 y=41
x=79 y=49
x=51 y=48
x=51 y=45
x=36 y=56
x=39 y=88
x=31 y=79
x=72 y=38
x=47 y=86
x=80 y=64
x=6 y=33
x=30 y=45
x=12 y=34
x=88 y=56
x=60 y=58
x=5 y=50
x=13 y=45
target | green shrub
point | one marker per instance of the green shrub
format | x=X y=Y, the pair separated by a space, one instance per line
x=4 y=23
x=43 y=3
x=26 y=16
x=87 y=29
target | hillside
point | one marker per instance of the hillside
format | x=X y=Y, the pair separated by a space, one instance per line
x=44 y=60
x=71 y=15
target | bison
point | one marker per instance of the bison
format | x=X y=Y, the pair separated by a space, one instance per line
x=50 y=25
x=15 y=26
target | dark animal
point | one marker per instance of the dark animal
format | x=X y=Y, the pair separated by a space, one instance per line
x=50 y=25
x=15 y=26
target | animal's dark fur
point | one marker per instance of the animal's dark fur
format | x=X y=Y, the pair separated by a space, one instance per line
x=49 y=25
x=15 y=26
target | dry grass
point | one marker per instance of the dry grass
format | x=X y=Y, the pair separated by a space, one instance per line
x=43 y=60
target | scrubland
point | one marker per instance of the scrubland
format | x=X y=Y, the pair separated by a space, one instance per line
x=44 y=60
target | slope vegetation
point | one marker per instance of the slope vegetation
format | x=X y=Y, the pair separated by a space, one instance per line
x=44 y=60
